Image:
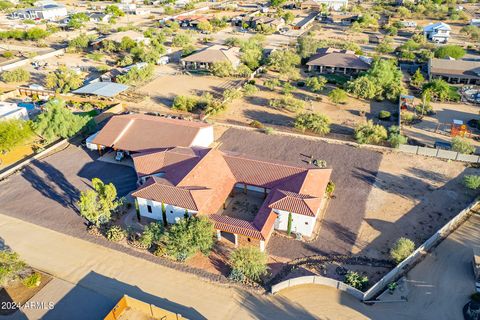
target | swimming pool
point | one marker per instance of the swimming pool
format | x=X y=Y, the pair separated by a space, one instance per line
x=27 y=105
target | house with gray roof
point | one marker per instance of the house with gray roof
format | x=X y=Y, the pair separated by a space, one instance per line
x=331 y=60
x=437 y=32
x=454 y=71
x=204 y=59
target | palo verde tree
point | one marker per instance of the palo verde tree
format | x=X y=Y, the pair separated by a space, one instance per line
x=96 y=205
x=63 y=80
x=315 y=122
x=58 y=122
x=248 y=262
x=13 y=133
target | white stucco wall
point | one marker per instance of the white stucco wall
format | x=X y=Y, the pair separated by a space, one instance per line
x=204 y=137
x=300 y=223
x=173 y=213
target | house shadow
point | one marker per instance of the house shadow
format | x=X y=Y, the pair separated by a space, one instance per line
x=84 y=302
x=268 y=117
x=51 y=183
x=278 y=307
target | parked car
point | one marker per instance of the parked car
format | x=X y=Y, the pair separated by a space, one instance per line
x=120 y=155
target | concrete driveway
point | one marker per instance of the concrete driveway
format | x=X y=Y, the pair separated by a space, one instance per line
x=45 y=192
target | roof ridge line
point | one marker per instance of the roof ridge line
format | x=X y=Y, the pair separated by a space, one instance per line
x=265 y=161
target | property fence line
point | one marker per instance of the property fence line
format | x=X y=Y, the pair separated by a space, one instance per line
x=407 y=264
x=320 y=281
x=439 y=153
x=10 y=170
x=28 y=60
x=400 y=270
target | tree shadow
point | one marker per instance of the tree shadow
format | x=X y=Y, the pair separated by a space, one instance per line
x=51 y=183
x=260 y=307
x=268 y=117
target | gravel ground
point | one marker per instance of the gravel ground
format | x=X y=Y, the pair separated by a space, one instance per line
x=345 y=212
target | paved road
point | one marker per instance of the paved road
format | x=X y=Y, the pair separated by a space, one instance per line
x=440 y=284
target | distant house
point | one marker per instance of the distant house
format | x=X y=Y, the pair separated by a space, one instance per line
x=437 y=32
x=9 y=111
x=51 y=11
x=475 y=22
x=342 y=19
x=408 y=24
x=99 y=17
x=375 y=38
x=256 y=21
x=102 y=89
x=134 y=35
x=204 y=59
x=305 y=22
x=454 y=71
x=330 y=60
x=318 y=5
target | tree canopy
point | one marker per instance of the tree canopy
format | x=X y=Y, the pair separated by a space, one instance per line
x=13 y=133
x=58 y=122
x=96 y=205
x=382 y=81
x=16 y=75
x=370 y=133
x=285 y=62
x=63 y=80
x=250 y=262
x=450 y=50
x=315 y=122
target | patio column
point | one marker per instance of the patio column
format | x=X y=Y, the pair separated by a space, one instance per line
x=236 y=239
x=219 y=235
x=262 y=245
x=245 y=188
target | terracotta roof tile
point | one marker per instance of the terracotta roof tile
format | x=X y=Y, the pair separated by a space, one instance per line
x=295 y=202
x=237 y=226
x=136 y=132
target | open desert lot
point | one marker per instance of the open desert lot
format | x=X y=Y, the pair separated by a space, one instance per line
x=379 y=197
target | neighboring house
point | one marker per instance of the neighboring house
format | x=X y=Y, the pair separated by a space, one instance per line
x=134 y=35
x=9 y=111
x=330 y=60
x=375 y=38
x=205 y=58
x=256 y=22
x=102 y=89
x=50 y=11
x=409 y=24
x=454 y=71
x=437 y=32
x=191 y=20
x=138 y=132
x=475 y=22
x=318 y=5
x=342 y=19
x=182 y=182
x=111 y=75
x=305 y=22
x=99 y=17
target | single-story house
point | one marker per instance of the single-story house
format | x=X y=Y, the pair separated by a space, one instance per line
x=204 y=59
x=454 y=71
x=375 y=38
x=255 y=22
x=437 y=32
x=330 y=60
x=191 y=20
x=132 y=34
x=9 y=111
x=181 y=182
x=318 y=5
x=51 y=11
x=475 y=22
x=138 y=132
x=342 y=18
x=99 y=17
x=306 y=21
x=408 y=24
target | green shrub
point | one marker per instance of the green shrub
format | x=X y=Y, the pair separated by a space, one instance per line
x=10 y=266
x=256 y=124
x=402 y=248
x=17 y=75
x=237 y=276
x=269 y=130
x=115 y=234
x=250 y=262
x=33 y=280
x=315 y=122
x=370 y=133
x=450 y=50
x=151 y=234
x=7 y=54
x=184 y=103
x=338 y=95
x=330 y=188
x=355 y=280
x=395 y=138
x=288 y=103
x=384 y=115
x=187 y=237
x=462 y=146
x=249 y=89
x=471 y=181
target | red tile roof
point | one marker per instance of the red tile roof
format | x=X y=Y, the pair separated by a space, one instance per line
x=204 y=184
x=138 y=132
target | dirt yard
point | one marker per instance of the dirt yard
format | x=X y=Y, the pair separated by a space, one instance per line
x=437 y=127
x=379 y=196
x=344 y=117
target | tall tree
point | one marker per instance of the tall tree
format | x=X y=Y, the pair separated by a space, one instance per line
x=96 y=205
x=13 y=133
x=58 y=122
x=63 y=80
